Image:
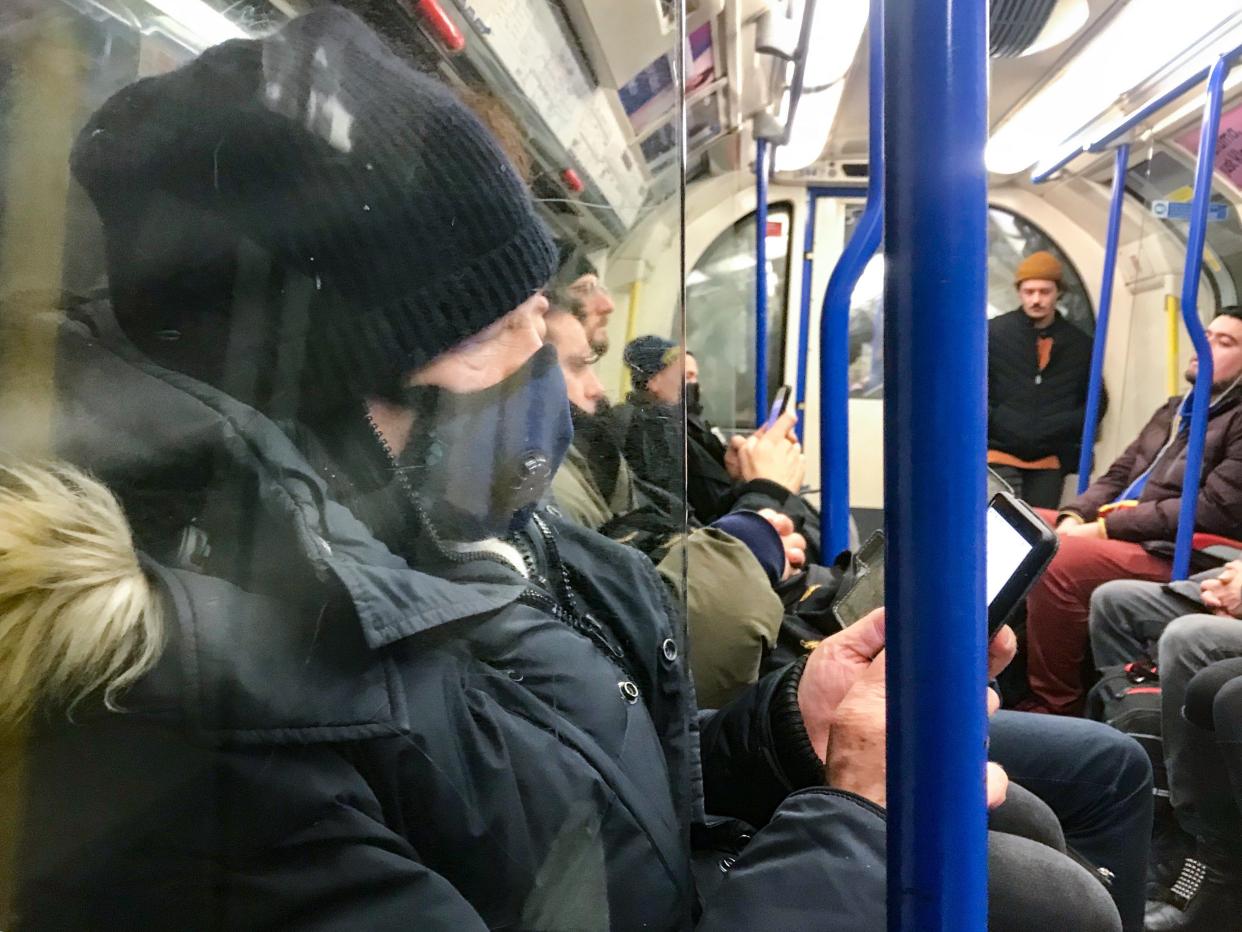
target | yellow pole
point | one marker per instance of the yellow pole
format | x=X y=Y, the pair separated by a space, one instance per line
x=1172 y=315
x=631 y=330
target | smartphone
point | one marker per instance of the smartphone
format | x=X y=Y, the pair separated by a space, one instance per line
x=778 y=406
x=1019 y=548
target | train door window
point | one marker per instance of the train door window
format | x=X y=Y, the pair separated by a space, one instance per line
x=1167 y=177
x=720 y=323
x=1010 y=238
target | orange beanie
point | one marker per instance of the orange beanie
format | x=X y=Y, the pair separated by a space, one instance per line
x=1042 y=265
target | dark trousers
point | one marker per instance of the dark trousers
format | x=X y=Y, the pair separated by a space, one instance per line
x=1130 y=618
x=1211 y=759
x=1098 y=783
x=1039 y=488
x=1057 y=608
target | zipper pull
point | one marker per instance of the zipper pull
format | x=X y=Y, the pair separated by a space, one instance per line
x=1039 y=379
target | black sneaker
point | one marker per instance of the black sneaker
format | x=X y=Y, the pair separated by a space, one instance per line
x=1206 y=897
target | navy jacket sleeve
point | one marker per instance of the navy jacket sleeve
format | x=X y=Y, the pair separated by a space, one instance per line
x=818 y=864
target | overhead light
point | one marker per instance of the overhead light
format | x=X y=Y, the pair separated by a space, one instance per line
x=836 y=29
x=811 y=126
x=1067 y=17
x=1142 y=40
x=199 y=22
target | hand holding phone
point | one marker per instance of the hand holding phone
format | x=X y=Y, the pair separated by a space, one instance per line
x=778 y=407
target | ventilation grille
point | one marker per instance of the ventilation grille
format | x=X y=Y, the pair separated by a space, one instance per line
x=1016 y=23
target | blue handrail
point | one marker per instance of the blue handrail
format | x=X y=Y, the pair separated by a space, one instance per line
x=1091 y=419
x=834 y=322
x=935 y=292
x=804 y=314
x=761 y=281
x=1201 y=395
x=1152 y=107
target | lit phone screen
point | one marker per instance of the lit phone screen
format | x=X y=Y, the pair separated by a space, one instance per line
x=1006 y=551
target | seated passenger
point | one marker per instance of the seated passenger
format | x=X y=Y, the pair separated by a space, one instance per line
x=1039 y=365
x=762 y=471
x=732 y=612
x=1123 y=525
x=327 y=666
x=578 y=290
x=1188 y=627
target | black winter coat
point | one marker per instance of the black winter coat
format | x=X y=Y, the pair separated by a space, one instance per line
x=1032 y=414
x=335 y=740
x=652 y=443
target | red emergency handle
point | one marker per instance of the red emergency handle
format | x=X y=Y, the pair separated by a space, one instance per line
x=441 y=27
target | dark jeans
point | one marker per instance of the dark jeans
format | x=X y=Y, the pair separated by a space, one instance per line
x=1039 y=488
x=1097 y=781
x=1024 y=841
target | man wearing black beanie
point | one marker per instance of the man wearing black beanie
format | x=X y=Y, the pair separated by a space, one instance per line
x=377 y=686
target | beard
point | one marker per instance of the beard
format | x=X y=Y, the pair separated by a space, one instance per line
x=596 y=437
x=599 y=342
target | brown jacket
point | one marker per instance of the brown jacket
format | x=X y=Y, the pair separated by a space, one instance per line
x=1155 y=517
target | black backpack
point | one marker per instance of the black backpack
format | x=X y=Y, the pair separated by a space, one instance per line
x=1128 y=698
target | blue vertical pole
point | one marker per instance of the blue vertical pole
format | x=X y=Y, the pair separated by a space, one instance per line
x=935 y=356
x=761 y=281
x=834 y=321
x=804 y=316
x=1201 y=395
x=1091 y=419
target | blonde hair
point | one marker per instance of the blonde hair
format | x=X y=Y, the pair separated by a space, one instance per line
x=77 y=614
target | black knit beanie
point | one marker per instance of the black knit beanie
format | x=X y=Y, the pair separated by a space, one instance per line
x=322 y=152
x=648 y=356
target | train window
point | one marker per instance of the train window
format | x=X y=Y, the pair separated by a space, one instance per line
x=720 y=325
x=1167 y=175
x=1010 y=238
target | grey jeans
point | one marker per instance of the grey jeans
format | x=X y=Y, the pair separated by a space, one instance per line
x=1131 y=619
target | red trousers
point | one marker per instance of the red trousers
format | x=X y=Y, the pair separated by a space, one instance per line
x=1056 y=613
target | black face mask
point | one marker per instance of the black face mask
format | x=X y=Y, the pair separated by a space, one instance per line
x=481 y=462
x=596 y=438
x=694 y=401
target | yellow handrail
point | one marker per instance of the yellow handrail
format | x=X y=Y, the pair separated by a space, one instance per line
x=1172 y=314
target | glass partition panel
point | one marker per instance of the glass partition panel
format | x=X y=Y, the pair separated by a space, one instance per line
x=328 y=549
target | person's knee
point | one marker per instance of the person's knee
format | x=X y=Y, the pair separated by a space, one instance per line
x=1227 y=710
x=1065 y=897
x=1206 y=688
x=1184 y=639
x=1133 y=774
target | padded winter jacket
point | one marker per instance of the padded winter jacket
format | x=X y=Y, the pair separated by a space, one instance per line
x=1219 y=510
x=335 y=739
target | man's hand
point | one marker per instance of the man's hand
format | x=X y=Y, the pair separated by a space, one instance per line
x=998 y=785
x=793 y=542
x=773 y=456
x=732 y=461
x=1223 y=595
x=831 y=672
x=1091 y=530
x=857 y=741
x=1067 y=523
x=1001 y=650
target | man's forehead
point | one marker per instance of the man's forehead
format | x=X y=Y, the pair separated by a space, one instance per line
x=1227 y=325
x=584 y=282
x=1037 y=283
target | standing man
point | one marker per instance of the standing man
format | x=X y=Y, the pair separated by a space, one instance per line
x=1038 y=368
